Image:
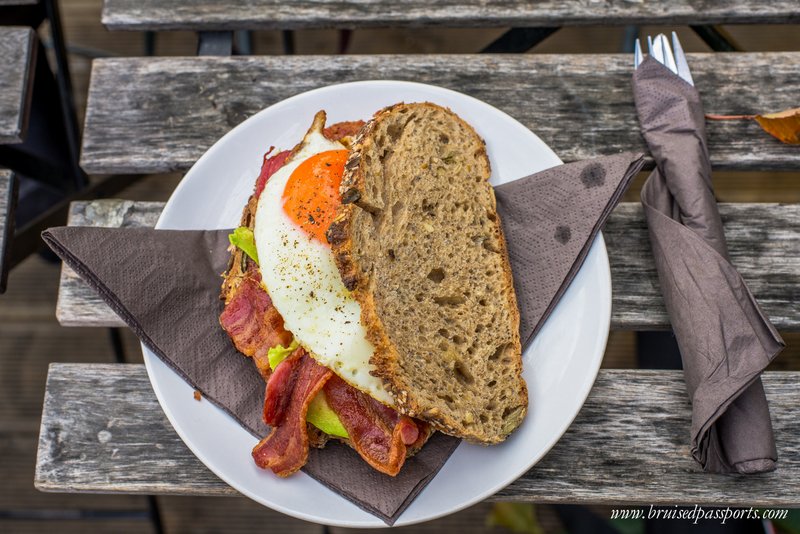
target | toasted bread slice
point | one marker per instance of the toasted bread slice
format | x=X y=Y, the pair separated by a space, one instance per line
x=419 y=243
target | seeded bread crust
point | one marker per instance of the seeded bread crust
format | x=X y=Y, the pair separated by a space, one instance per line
x=418 y=242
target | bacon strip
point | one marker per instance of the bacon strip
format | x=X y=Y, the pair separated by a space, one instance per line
x=281 y=383
x=379 y=434
x=268 y=168
x=335 y=132
x=289 y=392
x=253 y=323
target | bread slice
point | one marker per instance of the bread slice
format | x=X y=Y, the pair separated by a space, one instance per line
x=419 y=243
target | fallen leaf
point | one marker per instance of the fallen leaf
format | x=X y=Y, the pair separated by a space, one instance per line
x=784 y=125
x=515 y=516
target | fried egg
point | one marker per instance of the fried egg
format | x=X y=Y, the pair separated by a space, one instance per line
x=294 y=211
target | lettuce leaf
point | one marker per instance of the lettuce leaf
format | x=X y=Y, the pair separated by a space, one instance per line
x=278 y=353
x=243 y=238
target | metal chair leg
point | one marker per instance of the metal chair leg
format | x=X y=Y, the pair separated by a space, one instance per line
x=717 y=38
x=518 y=40
x=65 y=92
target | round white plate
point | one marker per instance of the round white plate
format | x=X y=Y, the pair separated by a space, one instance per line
x=560 y=366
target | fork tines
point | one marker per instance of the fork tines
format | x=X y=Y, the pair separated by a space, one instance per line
x=671 y=57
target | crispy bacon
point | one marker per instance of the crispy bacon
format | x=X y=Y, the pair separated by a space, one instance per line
x=335 y=132
x=289 y=392
x=253 y=323
x=379 y=434
x=279 y=389
x=268 y=168
x=408 y=430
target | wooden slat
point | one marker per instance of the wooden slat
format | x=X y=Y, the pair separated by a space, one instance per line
x=18 y=494
x=148 y=115
x=275 y=14
x=627 y=445
x=18 y=50
x=764 y=241
x=8 y=202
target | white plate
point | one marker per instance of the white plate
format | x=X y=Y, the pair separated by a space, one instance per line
x=559 y=367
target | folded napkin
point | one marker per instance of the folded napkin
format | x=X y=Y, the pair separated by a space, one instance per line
x=165 y=285
x=725 y=339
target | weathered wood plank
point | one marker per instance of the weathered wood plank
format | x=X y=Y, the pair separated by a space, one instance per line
x=64 y=463
x=8 y=202
x=18 y=448
x=148 y=115
x=764 y=245
x=18 y=50
x=764 y=241
x=274 y=14
x=627 y=445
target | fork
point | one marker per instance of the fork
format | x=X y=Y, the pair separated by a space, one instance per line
x=672 y=58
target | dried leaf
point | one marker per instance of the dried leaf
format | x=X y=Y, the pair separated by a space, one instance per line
x=516 y=517
x=784 y=125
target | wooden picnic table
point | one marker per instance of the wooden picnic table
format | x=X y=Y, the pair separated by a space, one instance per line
x=629 y=444
x=18 y=48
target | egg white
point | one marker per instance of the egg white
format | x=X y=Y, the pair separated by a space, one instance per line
x=304 y=284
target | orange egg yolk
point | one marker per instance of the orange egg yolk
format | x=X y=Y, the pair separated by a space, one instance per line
x=312 y=194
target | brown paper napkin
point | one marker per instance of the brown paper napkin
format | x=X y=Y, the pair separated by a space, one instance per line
x=725 y=339
x=165 y=285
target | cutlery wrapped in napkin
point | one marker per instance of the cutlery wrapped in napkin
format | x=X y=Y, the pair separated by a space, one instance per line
x=725 y=339
x=165 y=285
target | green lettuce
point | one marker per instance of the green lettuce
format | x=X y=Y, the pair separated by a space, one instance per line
x=243 y=238
x=278 y=353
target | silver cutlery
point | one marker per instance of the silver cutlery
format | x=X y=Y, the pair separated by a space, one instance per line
x=671 y=57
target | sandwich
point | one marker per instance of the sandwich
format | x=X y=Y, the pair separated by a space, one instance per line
x=370 y=284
